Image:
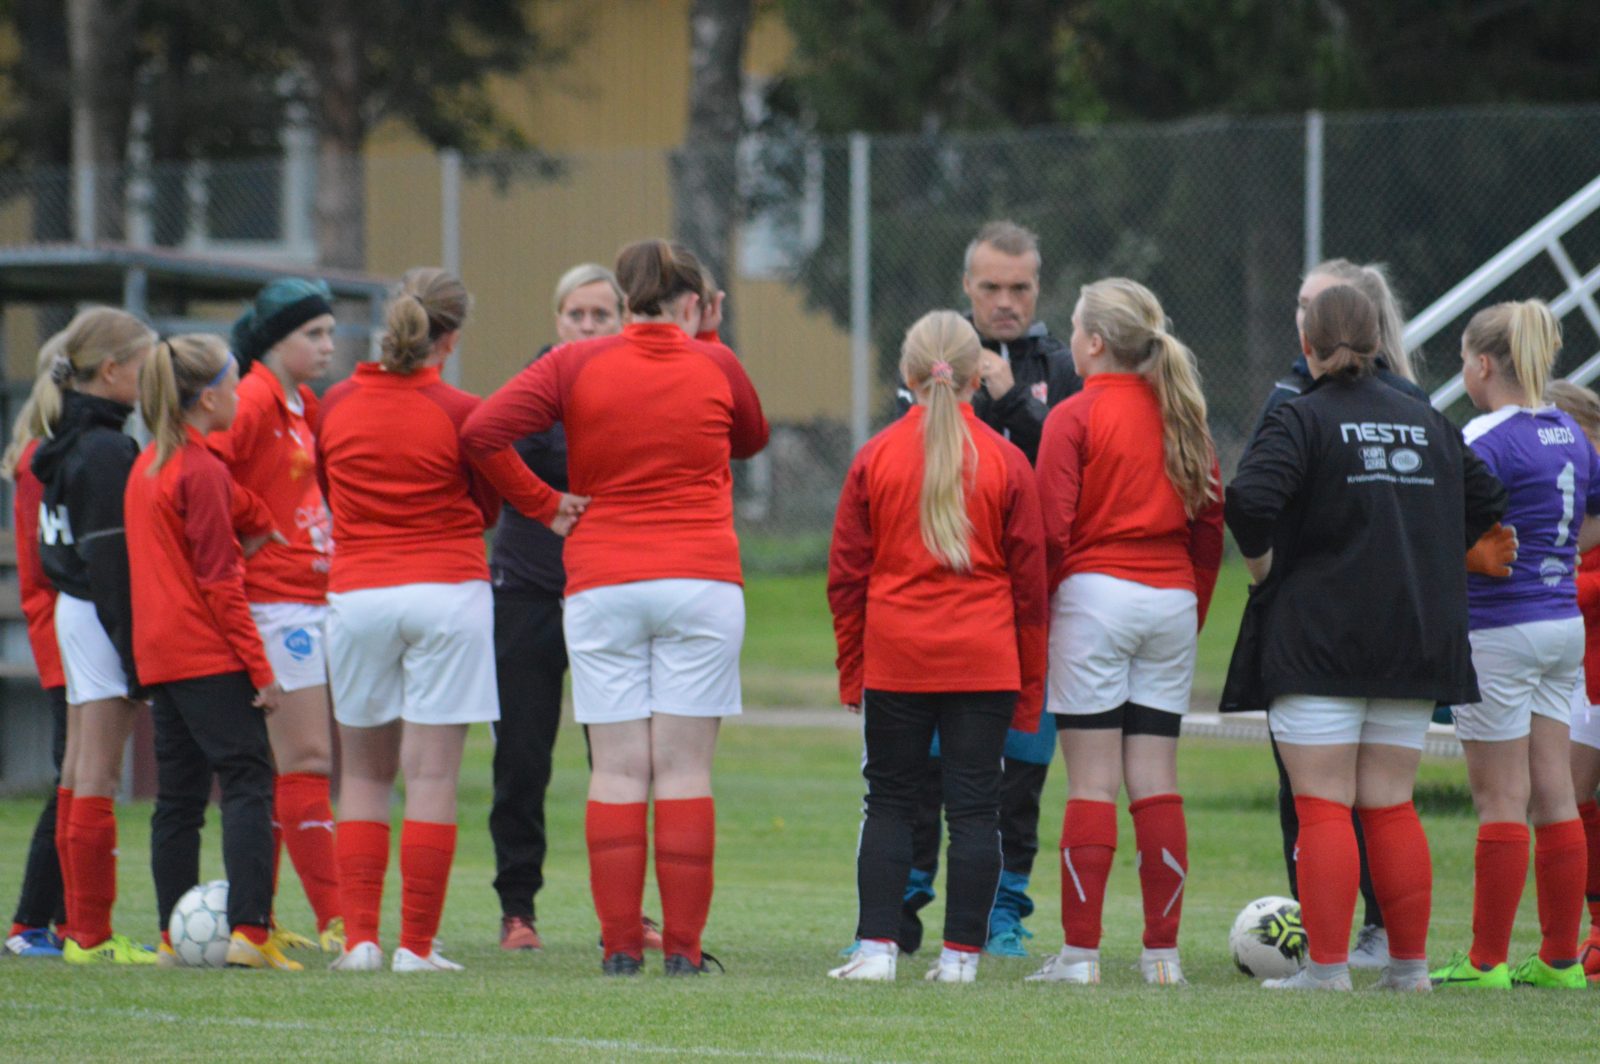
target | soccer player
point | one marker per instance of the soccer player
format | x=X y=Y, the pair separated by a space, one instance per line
x=1355 y=502
x=284 y=341
x=938 y=538
x=83 y=400
x=196 y=648
x=1583 y=406
x=410 y=617
x=42 y=898
x=655 y=606
x=1371 y=280
x=1132 y=499
x=530 y=652
x=1527 y=647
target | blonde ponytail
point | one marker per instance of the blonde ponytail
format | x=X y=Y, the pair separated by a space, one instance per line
x=1522 y=339
x=938 y=359
x=72 y=356
x=428 y=304
x=1128 y=317
x=178 y=371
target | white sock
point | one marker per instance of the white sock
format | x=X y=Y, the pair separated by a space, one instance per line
x=952 y=958
x=1408 y=969
x=1325 y=973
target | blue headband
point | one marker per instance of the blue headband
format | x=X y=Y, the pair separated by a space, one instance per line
x=212 y=383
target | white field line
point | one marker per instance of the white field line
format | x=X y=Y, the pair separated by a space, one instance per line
x=498 y=1038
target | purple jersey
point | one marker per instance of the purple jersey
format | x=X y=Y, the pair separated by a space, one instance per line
x=1552 y=476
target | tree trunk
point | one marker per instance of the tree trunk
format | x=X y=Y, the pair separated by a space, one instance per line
x=100 y=46
x=705 y=170
x=341 y=132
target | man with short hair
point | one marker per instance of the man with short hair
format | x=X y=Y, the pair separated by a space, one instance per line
x=1026 y=371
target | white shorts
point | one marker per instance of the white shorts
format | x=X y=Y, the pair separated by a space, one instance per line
x=292 y=632
x=1585 y=718
x=1114 y=641
x=422 y=653
x=1328 y=720
x=655 y=646
x=1523 y=669
x=93 y=668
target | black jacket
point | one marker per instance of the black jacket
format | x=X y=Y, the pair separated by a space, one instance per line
x=526 y=556
x=84 y=468
x=1298 y=380
x=1042 y=366
x=1368 y=500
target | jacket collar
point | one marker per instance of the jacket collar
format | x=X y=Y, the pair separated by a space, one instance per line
x=373 y=373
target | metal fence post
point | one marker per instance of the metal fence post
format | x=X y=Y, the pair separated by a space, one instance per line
x=1313 y=189
x=860 y=290
x=450 y=232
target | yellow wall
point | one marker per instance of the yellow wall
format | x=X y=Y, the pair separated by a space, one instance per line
x=614 y=109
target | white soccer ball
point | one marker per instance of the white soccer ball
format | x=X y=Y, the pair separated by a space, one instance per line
x=199 y=926
x=1268 y=940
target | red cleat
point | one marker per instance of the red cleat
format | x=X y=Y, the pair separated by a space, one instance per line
x=517 y=932
x=652 y=935
x=1589 y=955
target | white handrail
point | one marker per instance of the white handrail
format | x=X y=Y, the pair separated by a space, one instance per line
x=1543 y=238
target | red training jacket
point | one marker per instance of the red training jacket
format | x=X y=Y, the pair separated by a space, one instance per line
x=190 y=616
x=652 y=417
x=1109 y=506
x=38 y=594
x=906 y=622
x=271 y=452
x=1589 y=605
x=408 y=506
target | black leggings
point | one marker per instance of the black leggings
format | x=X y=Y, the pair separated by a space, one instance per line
x=41 y=901
x=972 y=734
x=207 y=726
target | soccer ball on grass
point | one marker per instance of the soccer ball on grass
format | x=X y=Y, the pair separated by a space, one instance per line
x=1268 y=940
x=199 y=926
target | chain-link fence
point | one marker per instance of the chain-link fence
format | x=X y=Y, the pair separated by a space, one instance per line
x=1218 y=216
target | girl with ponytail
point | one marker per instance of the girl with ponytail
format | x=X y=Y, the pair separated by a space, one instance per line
x=939 y=517
x=197 y=649
x=1527 y=646
x=88 y=384
x=1131 y=491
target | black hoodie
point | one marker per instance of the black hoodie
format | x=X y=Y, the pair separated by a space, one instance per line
x=84 y=468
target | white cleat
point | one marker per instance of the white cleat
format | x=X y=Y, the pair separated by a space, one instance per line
x=872 y=963
x=362 y=957
x=1405 y=982
x=954 y=967
x=1160 y=967
x=1071 y=965
x=1372 y=949
x=406 y=961
x=1304 y=980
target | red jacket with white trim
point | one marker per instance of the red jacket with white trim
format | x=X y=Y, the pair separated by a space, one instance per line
x=38 y=594
x=903 y=620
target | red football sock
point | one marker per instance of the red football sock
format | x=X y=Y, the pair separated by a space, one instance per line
x=92 y=842
x=304 y=811
x=426 y=853
x=1402 y=876
x=1560 y=861
x=1088 y=843
x=1499 y=871
x=64 y=855
x=1589 y=813
x=618 y=845
x=686 y=842
x=1162 y=839
x=257 y=934
x=363 y=850
x=1330 y=877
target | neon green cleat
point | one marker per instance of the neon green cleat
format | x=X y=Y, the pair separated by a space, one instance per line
x=118 y=949
x=284 y=939
x=1461 y=972
x=331 y=938
x=1535 y=972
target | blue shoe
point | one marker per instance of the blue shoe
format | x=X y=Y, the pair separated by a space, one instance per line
x=852 y=949
x=1008 y=942
x=35 y=942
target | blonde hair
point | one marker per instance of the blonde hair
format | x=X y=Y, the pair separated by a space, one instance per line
x=71 y=357
x=178 y=371
x=586 y=273
x=1522 y=339
x=940 y=355
x=428 y=304
x=1341 y=328
x=1128 y=317
x=1577 y=402
x=1372 y=281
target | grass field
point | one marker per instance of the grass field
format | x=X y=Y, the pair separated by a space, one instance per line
x=788 y=799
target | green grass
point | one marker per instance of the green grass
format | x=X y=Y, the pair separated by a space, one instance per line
x=788 y=803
